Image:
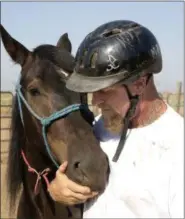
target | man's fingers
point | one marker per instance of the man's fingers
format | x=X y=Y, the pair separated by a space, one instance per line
x=78 y=188
x=74 y=201
x=63 y=166
x=82 y=198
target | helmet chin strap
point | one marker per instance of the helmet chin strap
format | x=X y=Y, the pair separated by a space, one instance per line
x=87 y=114
x=127 y=120
x=126 y=123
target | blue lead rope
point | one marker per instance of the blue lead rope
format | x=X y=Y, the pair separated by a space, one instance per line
x=45 y=121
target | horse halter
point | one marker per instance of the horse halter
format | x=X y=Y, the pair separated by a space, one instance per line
x=46 y=121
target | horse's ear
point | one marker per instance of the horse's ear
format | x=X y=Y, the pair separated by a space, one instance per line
x=64 y=43
x=16 y=50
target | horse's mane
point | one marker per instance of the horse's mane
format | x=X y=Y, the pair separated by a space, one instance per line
x=15 y=165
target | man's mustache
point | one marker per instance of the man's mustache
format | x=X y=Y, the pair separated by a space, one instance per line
x=104 y=107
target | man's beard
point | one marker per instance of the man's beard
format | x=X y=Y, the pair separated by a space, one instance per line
x=113 y=122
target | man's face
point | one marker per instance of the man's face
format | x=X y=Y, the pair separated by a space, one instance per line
x=114 y=104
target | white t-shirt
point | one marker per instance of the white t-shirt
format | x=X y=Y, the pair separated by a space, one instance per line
x=147 y=180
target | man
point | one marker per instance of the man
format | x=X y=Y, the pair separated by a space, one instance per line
x=140 y=133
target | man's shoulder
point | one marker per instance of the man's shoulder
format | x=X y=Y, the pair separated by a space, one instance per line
x=98 y=121
x=169 y=131
x=98 y=117
x=98 y=126
x=174 y=119
x=172 y=111
x=171 y=119
x=100 y=131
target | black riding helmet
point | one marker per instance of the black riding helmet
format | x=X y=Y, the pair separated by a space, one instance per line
x=116 y=52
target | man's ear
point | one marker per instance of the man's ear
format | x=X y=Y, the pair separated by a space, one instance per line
x=138 y=86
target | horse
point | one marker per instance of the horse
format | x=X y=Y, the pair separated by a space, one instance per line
x=49 y=125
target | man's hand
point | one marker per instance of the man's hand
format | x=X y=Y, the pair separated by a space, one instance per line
x=65 y=191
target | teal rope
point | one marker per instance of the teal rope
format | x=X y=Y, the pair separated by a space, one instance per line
x=45 y=121
x=47 y=146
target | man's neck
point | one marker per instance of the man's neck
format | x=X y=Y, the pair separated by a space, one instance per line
x=151 y=112
x=150 y=108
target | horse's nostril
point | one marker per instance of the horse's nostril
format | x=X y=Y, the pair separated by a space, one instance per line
x=77 y=164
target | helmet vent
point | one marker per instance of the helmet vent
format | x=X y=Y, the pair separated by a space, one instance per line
x=110 y=33
x=93 y=59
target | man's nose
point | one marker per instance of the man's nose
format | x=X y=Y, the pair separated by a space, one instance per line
x=97 y=98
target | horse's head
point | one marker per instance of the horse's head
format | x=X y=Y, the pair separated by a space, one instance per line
x=43 y=74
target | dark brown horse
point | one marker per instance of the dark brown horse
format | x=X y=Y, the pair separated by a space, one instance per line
x=43 y=141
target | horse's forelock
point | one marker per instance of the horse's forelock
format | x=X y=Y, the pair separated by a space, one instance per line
x=57 y=56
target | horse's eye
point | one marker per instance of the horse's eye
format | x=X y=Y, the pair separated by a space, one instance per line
x=34 y=92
